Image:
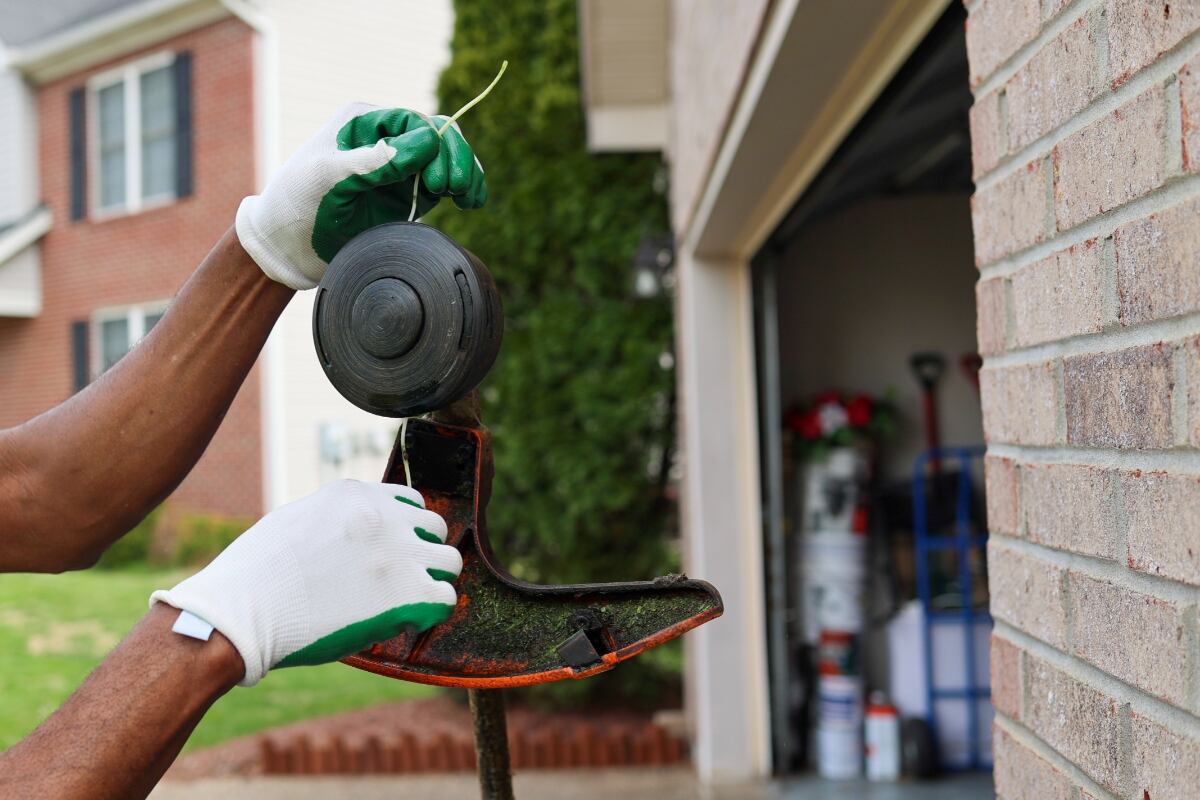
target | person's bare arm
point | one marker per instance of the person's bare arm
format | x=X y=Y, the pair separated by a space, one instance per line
x=116 y=736
x=275 y=598
x=77 y=477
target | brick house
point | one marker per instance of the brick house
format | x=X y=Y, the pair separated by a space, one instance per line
x=130 y=132
x=1016 y=177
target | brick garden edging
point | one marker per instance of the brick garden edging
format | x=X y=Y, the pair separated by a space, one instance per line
x=551 y=746
x=435 y=735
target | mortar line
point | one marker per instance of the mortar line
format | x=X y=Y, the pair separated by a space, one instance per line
x=1010 y=313
x=1173 y=129
x=1002 y=110
x=1070 y=770
x=1118 y=532
x=1103 y=66
x=1172 y=192
x=1179 y=396
x=1049 y=29
x=1183 y=461
x=1167 y=589
x=1159 y=331
x=1110 y=301
x=1022 y=525
x=1156 y=73
x=1061 y=431
x=1191 y=633
x=1171 y=717
x=1127 y=775
x=1050 y=218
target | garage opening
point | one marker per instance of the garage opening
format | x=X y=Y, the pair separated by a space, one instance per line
x=871 y=438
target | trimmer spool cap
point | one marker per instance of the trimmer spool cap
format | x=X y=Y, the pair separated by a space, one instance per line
x=406 y=321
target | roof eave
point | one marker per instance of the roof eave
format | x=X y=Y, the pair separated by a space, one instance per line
x=111 y=35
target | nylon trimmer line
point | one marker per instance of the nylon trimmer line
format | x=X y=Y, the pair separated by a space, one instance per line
x=412 y=214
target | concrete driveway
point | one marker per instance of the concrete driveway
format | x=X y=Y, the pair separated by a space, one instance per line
x=621 y=784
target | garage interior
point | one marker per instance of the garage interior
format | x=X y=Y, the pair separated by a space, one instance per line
x=874 y=266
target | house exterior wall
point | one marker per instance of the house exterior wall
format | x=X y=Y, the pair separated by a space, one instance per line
x=711 y=46
x=18 y=173
x=321 y=66
x=123 y=260
x=1086 y=152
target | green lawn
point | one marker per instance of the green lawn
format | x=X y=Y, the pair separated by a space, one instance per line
x=55 y=628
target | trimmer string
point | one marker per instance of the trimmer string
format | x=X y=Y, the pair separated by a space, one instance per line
x=412 y=214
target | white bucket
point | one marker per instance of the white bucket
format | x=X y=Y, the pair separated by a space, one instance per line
x=839 y=751
x=832 y=490
x=840 y=700
x=834 y=571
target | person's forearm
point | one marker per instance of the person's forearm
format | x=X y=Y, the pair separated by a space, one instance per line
x=77 y=477
x=116 y=736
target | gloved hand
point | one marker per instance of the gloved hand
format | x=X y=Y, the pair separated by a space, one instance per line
x=355 y=173
x=323 y=577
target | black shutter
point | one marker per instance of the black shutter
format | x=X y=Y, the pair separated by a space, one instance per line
x=78 y=155
x=183 y=123
x=79 y=353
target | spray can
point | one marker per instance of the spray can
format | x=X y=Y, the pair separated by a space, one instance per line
x=882 y=739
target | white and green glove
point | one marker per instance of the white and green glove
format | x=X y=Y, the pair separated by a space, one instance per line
x=324 y=577
x=357 y=172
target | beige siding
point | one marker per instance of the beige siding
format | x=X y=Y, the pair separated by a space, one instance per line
x=711 y=46
x=18 y=148
x=393 y=57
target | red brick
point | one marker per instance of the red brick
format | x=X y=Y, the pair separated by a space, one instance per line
x=1139 y=31
x=1132 y=636
x=125 y=260
x=1002 y=480
x=992 y=321
x=1027 y=593
x=1079 y=721
x=1012 y=214
x=1054 y=85
x=1114 y=160
x=1006 y=677
x=1071 y=507
x=1158 y=264
x=1022 y=774
x=1166 y=763
x=996 y=29
x=988 y=141
x=1020 y=404
x=1060 y=296
x=1120 y=399
x=1163 y=515
x=1189 y=109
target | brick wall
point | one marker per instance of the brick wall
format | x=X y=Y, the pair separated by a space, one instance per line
x=1086 y=143
x=92 y=264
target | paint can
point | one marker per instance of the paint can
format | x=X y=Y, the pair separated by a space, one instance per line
x=882 y=740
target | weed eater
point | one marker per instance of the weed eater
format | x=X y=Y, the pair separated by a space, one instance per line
x=407 y=322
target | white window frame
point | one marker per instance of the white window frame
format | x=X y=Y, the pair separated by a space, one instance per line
x=136 y=317
x=130 y=75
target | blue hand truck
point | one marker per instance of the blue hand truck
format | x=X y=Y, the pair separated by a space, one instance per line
x=968 y=536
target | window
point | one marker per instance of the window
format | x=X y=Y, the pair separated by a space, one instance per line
x=119 y=329
x=134 y=138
